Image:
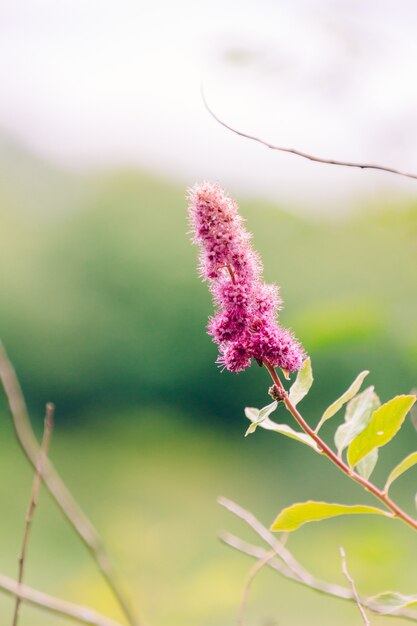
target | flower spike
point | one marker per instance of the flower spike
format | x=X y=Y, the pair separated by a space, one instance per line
x=245 y=324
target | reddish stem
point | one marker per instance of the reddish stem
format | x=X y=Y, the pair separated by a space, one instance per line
x=378 y=493
x=231 y=272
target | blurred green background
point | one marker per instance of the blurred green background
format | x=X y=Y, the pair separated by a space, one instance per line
x=102 y=312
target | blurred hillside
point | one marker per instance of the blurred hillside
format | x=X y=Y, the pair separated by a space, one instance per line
x=102 y=312
x=102 y=307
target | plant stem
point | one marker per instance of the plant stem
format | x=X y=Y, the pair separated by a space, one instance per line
x=378 y=493
x=33 y=502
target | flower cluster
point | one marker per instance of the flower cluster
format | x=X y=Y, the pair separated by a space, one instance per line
x=245 y=323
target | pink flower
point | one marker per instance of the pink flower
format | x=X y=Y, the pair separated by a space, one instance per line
x=234 y=356
x=245 y=323
x=219 y=232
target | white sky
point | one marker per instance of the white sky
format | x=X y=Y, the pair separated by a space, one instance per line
x=102 y=82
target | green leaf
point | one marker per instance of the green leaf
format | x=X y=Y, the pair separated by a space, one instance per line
x=391 y=601
x=402 y=467
x=257 y=416
x=298 y=514
x=268 y=409
x=302 y=383
x=358 y=413
x=283 y=429
x=337 y=404
x=383 y=426
x=366 y=466
x=251 y=413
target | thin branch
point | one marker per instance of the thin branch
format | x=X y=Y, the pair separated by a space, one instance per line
x=57 y=488
x=353 y=587
x=329 y=589
x=255 y=569
x=49 y=418
x=76 y=612
x=258 y=553
x=288 y=566
x=305 y=155
x=298 y=570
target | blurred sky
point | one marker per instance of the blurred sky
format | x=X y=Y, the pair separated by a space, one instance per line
x=94 y=83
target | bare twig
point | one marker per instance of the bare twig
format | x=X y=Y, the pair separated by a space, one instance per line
x=298 y=570
x=353 y=587
x=288 y=566
x=49 y=416
x=57 y=488
x=305 y=155
x=329 y=589
x=255 y=569
x=258 y=553
x=76 y=612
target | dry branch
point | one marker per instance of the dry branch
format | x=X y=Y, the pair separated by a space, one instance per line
x=306 y=155
x=245 y=592
x=57 y=488
x=288 y=566
x=352 y=586
x=47 y=432
x=76 y=612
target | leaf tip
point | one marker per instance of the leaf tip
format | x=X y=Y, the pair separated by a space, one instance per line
x=250 y=429
x=286 y=374
x=251 y=413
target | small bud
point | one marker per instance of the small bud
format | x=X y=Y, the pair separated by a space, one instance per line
x=276 y=393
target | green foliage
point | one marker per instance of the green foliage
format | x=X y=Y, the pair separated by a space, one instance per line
x=257 y=416
x=357 y=415
x=366 y=465
x=92 y=261
x=402 y=467
x=345 y=397
x=302 y=383
x=382 y=427
x=301 y=513
x=261 y=418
